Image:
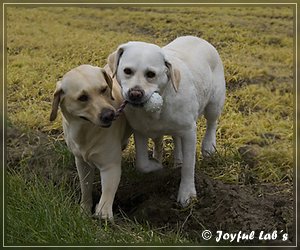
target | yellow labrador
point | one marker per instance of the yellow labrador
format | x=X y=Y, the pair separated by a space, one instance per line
x=188 y=76
x=88 y=100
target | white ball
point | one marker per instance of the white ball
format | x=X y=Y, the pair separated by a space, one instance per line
x=154 y=104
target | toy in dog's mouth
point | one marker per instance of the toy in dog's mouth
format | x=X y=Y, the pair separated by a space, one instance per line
x=153 y=104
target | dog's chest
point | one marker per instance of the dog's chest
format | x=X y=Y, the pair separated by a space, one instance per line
x=167 y=122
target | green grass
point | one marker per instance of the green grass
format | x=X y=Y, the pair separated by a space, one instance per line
x=256 y=46
x=46 y=214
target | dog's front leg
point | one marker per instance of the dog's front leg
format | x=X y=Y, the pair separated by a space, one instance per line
x=187 y=188
x=86 y=178
x=110 y=179
x=143 y=163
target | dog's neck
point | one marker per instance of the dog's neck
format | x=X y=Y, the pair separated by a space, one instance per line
x=80 y=131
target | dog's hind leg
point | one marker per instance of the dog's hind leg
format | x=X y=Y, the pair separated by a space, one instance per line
x=86 y=178
x=178 y=159
x=211 y=113
x=158 y=148
x=209 y=140
x=187 y=190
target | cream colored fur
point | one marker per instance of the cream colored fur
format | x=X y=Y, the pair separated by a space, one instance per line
x=94 y=143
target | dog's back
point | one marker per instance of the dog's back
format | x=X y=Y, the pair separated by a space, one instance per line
x=204 y=64
x=194 y=51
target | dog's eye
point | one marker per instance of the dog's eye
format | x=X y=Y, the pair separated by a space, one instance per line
x=150 y=74
x=83 y=98
x=103 y=90
x=127 y=71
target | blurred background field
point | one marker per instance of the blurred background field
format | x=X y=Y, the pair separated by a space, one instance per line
x=254 y=136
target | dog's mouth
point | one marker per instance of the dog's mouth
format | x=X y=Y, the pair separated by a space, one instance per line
x=139 y=104
x=106 y=125
x=103 y=125
x=84 y=118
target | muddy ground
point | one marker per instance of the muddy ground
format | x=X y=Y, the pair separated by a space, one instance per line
x=152 y=197
x=226 y=207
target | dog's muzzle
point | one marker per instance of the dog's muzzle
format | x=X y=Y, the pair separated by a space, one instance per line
x=107 y=116
x=135 y=95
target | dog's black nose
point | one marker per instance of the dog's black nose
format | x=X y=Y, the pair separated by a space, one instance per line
x=107 y=115
x=136 y=94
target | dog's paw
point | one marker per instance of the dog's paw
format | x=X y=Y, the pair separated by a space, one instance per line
x=186 y=194
x=103 y=212
x=208 y=149
x=151 y=166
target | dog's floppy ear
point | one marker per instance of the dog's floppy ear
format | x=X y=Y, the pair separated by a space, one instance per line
x=174 y=75
x=56 y=100
x=114 y=59
x=109 y=82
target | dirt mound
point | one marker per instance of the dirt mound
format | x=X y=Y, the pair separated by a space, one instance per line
x=226 y=207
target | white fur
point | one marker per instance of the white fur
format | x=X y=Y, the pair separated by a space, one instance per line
x=191 y=83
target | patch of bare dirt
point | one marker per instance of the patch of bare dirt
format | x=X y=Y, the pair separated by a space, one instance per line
x=34 y=153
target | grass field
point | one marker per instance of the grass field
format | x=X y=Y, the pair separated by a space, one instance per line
x=254 y=136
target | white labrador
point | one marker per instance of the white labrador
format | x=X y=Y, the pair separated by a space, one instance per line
x=188 y=74
x=88 y=100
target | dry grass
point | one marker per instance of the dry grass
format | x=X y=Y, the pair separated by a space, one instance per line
x=255 y=44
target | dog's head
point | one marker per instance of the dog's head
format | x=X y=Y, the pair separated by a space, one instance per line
x=85 y=93
x=142 y=69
